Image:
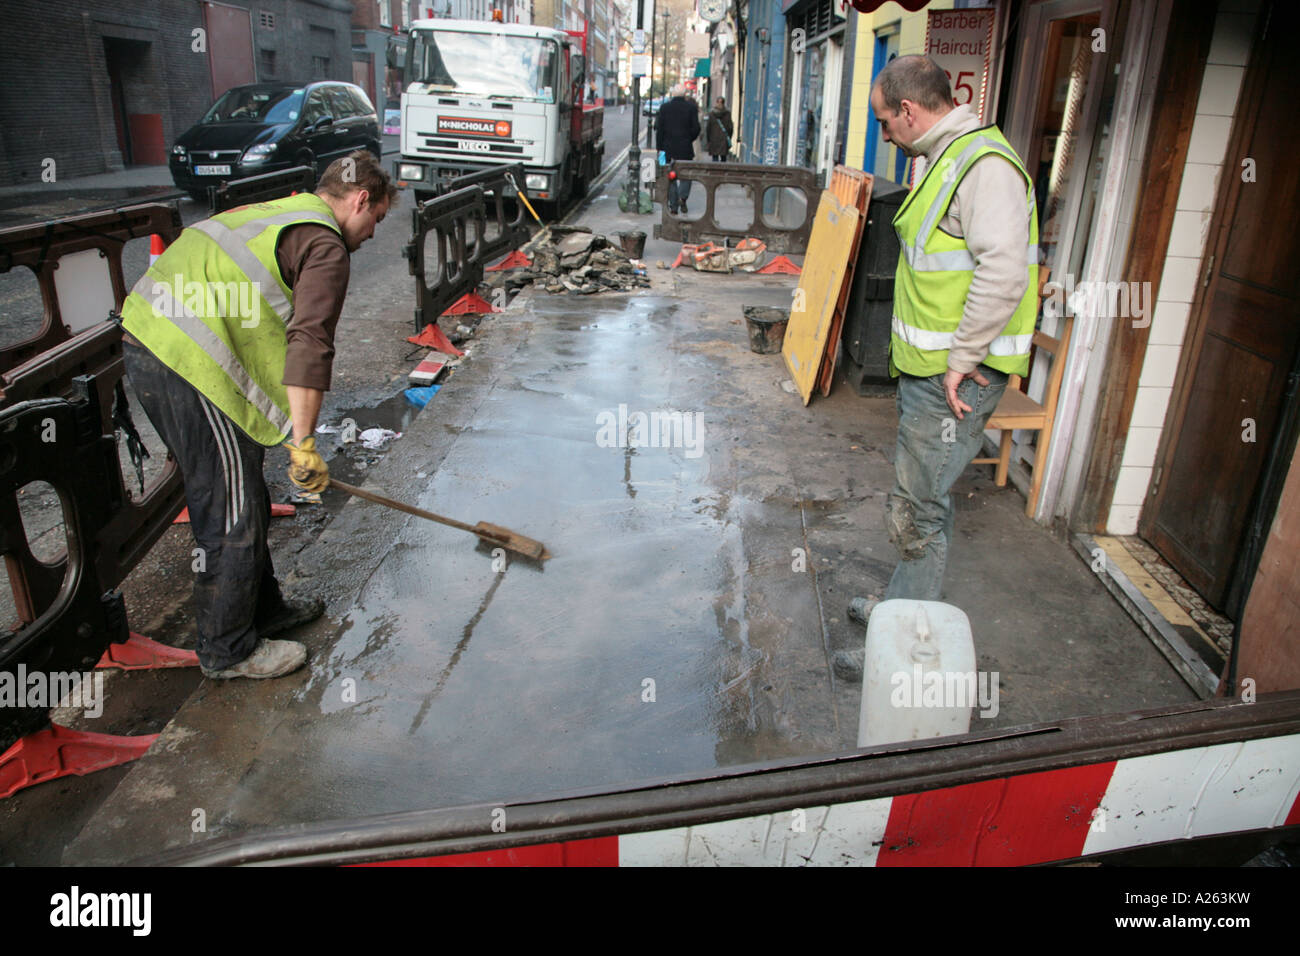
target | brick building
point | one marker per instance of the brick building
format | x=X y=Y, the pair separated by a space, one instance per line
x=96 y=85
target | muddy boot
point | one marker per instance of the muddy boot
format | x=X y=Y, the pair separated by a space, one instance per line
x=860 y=609
x=269 y=659
x=291 y=615
x=848 y=665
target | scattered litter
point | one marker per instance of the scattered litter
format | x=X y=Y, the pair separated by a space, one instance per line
x=419 y=397
x=789 y=386
x=306 y=497
x=328 y=429
x=376 y=438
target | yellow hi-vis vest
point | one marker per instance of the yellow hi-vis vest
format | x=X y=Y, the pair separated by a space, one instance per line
x=214 y=308
x=935 y=268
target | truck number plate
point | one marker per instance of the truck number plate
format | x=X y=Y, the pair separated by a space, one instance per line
x=211 y=170
x=473 y=146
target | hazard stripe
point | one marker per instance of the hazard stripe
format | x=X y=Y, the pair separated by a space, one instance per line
x=1011 y=821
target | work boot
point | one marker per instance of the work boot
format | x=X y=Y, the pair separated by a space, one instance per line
x=269 y=659
x=290 y=615
x=848 y=665
x=860 y=609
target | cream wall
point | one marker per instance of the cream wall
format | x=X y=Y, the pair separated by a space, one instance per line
x=1224 y=72
x=911 y=39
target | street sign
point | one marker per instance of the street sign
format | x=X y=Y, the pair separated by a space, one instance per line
x=638 y=41
x=641 y=64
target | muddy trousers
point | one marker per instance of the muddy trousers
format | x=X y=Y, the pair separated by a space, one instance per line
x=933 y=450
x=230 y=510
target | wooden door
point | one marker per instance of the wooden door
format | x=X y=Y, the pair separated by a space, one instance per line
x=1243 y=335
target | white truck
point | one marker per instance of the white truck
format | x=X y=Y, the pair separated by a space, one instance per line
x=478 y=94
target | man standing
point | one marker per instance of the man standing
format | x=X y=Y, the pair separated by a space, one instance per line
x=965 y=304
x=719 y=131
x=229 y=345
x=679 y=127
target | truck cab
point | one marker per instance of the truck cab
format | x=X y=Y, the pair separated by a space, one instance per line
x=478 y=94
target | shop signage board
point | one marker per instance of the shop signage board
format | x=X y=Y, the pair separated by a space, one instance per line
x=961 y=41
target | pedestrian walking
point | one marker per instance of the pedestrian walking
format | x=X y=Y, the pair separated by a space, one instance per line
x=677 y=130
x=719 y=130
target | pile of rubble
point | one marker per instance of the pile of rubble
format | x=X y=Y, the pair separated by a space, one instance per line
x=579 y=262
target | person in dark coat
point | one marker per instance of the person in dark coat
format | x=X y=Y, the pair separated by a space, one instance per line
x=677 y=130
x=718 y=131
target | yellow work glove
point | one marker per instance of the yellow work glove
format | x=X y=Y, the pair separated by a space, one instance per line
x=307 y=469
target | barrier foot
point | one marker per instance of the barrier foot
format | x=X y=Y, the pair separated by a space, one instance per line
x=516 y=260
x=140 y=653
x=471 y=302
x=780 y=264
x=434 y=338
x=277 y=511
x=59 y=752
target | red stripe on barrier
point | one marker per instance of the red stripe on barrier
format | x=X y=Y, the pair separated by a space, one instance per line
x=1016 y=821
x=1293 y=818
x=601 y=851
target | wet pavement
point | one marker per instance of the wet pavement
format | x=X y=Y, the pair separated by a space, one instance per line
x=685 y=621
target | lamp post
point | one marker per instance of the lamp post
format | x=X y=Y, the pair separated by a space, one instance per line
x=634 y=152
x=665 y=69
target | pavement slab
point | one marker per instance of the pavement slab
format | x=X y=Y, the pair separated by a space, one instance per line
x=685 y=621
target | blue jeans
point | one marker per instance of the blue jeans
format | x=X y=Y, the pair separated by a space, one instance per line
x=933 y=449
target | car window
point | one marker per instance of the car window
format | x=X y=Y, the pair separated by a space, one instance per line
x=363 y=102
x=342 y=103
x=316 y=107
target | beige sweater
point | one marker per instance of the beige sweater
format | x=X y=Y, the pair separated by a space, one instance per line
x=988 y=210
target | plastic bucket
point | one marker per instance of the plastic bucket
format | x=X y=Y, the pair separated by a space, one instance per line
x=766 y=328
x=633 y=243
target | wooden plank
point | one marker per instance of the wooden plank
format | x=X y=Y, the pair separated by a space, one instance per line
x=820 y=283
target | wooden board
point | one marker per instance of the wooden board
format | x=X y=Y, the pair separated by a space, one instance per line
x=813 y=309
x=852 y=187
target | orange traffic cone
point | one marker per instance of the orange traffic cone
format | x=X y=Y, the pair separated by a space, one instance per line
x=156 y=247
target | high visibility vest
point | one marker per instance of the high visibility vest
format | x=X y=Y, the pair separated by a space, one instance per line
x=214 y=308
x=935 y=269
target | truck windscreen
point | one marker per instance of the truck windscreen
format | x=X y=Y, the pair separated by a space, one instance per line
x=485 y=64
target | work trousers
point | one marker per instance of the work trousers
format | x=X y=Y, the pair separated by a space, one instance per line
x=229 y=505
x=932 y=451
x=678 y=191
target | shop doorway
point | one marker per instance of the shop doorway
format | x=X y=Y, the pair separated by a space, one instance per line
x=1228 y=437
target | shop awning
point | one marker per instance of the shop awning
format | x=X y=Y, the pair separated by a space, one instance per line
x=702 y=66
x=866 y=6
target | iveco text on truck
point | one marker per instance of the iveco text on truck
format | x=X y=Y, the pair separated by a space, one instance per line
x=482 y=94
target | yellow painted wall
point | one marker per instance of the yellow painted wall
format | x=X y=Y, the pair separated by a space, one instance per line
x=911 y=39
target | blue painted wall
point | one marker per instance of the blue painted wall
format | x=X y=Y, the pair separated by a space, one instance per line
x=764 y=69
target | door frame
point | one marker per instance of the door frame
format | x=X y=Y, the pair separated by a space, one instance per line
x=1276 y=464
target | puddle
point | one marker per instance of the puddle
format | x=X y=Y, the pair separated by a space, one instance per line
x=350 y=462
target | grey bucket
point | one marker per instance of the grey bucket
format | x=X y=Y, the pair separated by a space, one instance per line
x=766 y=328
x=633 y=243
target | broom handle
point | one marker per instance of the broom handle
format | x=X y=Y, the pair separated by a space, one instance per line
x=409 y=509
